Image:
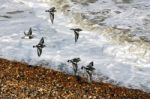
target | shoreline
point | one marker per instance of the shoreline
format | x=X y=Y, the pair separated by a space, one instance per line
x=19 y=80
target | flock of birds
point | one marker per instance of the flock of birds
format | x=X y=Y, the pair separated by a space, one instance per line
x=89 y=68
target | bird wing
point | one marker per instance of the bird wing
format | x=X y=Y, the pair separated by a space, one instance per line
x=39 y=51
x=30 y=31
x=52 y=9
x=78 y=29
x=41 y=41
x=90 y=68
x=90 y=65
x=76 y=59
x=25 y=34
x=51 y=16
x=76 y=36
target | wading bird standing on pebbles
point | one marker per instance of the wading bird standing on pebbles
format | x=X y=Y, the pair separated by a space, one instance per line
x=76 y=33
x=89 y=70
x=28 y=34
x=74 y=64
x=51 y=13
x=39 y=46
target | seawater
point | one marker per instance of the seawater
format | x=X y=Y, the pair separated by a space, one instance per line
x=123 y=22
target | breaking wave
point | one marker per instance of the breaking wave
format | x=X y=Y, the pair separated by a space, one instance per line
x=93 y=20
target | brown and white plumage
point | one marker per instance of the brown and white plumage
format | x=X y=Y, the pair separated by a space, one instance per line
x=28 y=34
x=89 y=70
x=74 y=63
x=76 y=33
x=51 y=13
x=40 y=46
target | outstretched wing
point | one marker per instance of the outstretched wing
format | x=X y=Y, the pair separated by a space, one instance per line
x=25 y=34
x=78 y=29
x=76 y=59
x=30 y=31
x=52 y=9
x=41 y=41
x=76 y=36
x=51 y=17
x=39 y=51
x=90 y=65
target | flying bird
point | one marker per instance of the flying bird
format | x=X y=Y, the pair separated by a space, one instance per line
x=28 y=34
x=89 y=70
x=74 y=64
x=76 y=33
x=39 y=46
x=51 y=13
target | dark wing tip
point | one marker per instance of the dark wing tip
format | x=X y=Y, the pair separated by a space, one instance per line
x=30 y=28
x=25 y=33
x=76 y=36
x=30 y=31
x=41 y=41
x=92 y=63
x=39 y=51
